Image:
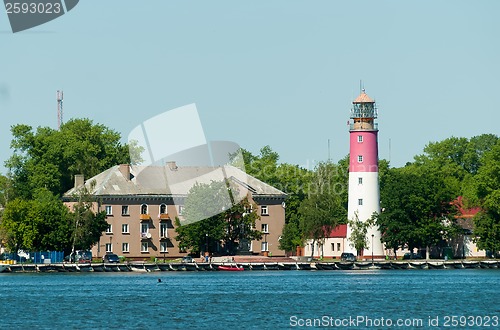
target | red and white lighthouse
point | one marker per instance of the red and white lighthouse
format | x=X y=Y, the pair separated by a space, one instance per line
x=364 y=190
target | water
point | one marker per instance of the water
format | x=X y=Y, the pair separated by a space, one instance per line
x=260 y=300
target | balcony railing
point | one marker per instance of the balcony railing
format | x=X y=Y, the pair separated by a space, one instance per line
x=164 y=216
x=146 y=235
x=145 y=217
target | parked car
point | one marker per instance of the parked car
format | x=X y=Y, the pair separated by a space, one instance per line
x=347 y=256
x=411 y=255
x=187 y=259
x=110 y=257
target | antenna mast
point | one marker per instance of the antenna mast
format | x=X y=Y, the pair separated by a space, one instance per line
x=59 y=109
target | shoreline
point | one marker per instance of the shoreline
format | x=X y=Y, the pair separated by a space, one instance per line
x=251 y=266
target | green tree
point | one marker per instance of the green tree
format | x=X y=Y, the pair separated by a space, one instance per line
x=416 y=208
x=14 y=226
x=50 y=158
x=211 y=214
x=487 y=190
x=322 y=210
x=292 y=180
x=358 y=239
x=87 y=224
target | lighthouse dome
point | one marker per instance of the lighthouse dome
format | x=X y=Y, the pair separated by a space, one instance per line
x=363 y=98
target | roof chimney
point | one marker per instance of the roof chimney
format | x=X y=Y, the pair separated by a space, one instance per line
x=79 y=180
x=125 y=171
x=172 y=166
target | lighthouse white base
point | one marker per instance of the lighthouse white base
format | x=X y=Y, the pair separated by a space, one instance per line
x=364 y=201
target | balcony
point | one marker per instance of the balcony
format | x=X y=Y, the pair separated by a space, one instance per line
x=163 y=236
x=145 y=217
x=164 y=216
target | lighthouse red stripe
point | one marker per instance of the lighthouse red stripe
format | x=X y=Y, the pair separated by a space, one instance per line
x=367 y=149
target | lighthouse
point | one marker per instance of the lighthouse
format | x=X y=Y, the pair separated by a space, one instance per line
x=364 y=190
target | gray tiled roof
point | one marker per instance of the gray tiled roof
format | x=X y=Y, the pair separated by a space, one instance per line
x=162 y=180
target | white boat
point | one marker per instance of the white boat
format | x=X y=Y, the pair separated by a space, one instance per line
x=3 y=267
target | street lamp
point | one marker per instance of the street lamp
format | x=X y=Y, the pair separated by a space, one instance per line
x=206 y=247
x=372 y=248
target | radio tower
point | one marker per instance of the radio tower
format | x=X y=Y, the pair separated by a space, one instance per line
x=59 y=109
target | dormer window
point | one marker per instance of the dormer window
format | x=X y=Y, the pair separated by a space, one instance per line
x=144 y=209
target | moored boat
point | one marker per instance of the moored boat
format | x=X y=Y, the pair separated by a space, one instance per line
x=471 y=264
x=4 y=268
x=345 y=265
x=489 y=264
x=435 y=264
x=230 y=268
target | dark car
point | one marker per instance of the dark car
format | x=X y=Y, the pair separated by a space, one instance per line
x=110 y=258
x=347 y=256
x=411 y=255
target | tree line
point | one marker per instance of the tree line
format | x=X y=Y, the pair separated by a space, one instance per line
x=417 y=200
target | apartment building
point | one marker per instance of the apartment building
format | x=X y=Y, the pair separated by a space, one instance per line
x=142 y=204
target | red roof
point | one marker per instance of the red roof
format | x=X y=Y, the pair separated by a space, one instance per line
x=363 y=98
x=462 y=211
x=338 y=232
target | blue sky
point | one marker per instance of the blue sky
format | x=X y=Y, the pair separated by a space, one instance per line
x=278 y=73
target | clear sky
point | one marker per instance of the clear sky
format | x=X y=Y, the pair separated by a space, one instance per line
x=279 y=73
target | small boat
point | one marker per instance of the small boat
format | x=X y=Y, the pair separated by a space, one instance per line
x=345 y=265
x=489 y=264
x=4 y=268
x=230 y=268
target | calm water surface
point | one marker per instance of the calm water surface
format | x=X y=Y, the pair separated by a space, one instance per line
x=261 y=300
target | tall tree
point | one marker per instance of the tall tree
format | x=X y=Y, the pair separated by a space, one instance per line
x=323 y=209
x=48 y=158
x=487 y=190
x=416 y=208
x=358 y=239
x=36 y=225
x=87 y=224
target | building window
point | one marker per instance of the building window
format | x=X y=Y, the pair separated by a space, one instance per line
x=263 y=246
x=144 y=246
x=144 y=209
x=264 y=210
x=265 y=228
x=109 y=210
x=163 y=230
x=109 y=230
x=109 y=247
x=360 y=138
x=360 y=180
x=338 y=246
x=181 y=209
x=125 y=247
x=125 y=228
x=360 y=201
x=163 y=209
x=163 y=247
x=360 y=158
x=144 y=229
x=333 y=247
x=125 y=210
